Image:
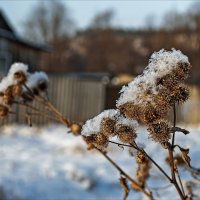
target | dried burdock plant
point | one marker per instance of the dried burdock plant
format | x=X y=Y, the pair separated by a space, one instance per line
x=159 y=131
x=146 y=100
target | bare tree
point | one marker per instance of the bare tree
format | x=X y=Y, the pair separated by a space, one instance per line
x=150 y=22
x=103 y=19
x=174 y=20
x=48 y=21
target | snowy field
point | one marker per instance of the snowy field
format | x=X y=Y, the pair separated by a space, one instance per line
x=48 y=163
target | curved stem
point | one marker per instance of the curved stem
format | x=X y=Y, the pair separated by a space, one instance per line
x=171 y=157
x=149 y=157
x=122 y=172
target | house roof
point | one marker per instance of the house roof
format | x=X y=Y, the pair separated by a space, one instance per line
x=8 y=32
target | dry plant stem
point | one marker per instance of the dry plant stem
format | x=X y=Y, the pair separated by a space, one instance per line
x=180 y=182
x=53 y=109
x=152 y=160
x=37 y=111
x=174 y=124
x=49 y=106
x=149 y=157
x=171 y=157
x=148 y=194
x=44 y=114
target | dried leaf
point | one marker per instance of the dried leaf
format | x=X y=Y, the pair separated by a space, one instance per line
x=185 y=156
x=135 y=186
x=177 y=129
x=124 y=185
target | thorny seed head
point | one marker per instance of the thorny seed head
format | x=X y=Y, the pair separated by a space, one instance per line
x=8 y=96
x=142 y=173
x=42 y=86
x=130 y=110
x=35 y=91
x=27 y=96
x=20 y=77
x=126 y=134
x=161 y=103
x=101 y=141
x=75 y=128
x=180 y=94
x=141 y=158
x=17 y=90
x=4 y=110
x=98 y=140
x=151 y=113
x=89 y=141
x=185 y=66
x=159 y=131
x=108 y=127
x=169 y=81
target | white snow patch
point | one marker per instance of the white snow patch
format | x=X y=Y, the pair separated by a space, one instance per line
x=127 y=122
x=36 y=78
x=92 y=126
x=160 y=64
x=48 y=163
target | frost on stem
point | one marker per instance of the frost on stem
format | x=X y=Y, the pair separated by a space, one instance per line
x=13 y=86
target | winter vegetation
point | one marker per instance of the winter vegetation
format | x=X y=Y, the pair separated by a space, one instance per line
x=144 y=105
x=120 y=50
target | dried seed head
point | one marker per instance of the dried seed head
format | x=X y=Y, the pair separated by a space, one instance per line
x=8 y=96
x=43 y=85
x=35 y=91
x=4 y=110
x=159 y=131
x=27 y=96
x=141 y=158
x=20 y=76
x=100 y=141
x=142 y=173
x=184 y=66
x=17 y=90
x=108 y=127
x=152 y=113
x=169 y=81
x=76 y=129
x=165 y=145
x=180 y=94
x=126 y=134
x=130 y=110
x=161 y=104
x=89 y=141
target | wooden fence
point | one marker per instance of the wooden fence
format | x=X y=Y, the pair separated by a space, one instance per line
x=77 y=99
x=81 y=99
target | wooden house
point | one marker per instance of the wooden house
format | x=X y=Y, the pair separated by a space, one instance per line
x=14 y=48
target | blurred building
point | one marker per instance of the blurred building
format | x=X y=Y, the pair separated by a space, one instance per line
x=14 y=48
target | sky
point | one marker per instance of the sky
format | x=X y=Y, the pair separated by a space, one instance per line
x=129 y=14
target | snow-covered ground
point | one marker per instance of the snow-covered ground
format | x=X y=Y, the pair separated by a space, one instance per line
x=48 y=163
